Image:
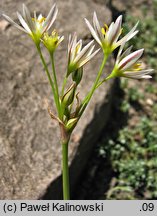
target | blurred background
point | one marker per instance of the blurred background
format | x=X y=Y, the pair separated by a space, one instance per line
x=120 y=160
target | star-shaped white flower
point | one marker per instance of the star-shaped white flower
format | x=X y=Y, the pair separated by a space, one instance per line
x=128 y=65
x=108 y=37
x=35 y=26
x=78 y=56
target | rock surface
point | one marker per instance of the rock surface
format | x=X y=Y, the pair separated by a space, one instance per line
x=30 y=153
x=133 y=7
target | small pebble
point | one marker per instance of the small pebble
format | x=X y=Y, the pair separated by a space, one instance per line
x=3 y=25
x=149 y=102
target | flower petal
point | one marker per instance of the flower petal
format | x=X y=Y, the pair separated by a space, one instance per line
x=83 y=52
x=129 y=60
x=28 y=18
x=139 y=73
x=60 y=39
x=73 y=42
x=23 y=23
x=93 y=32
x=13 y=23
x=138 y=76
x=90 y=51
x=50 y=18
x=73 y=48
x=88 y=58
x=97 y=27
x=40 y=17
x=121 y=55
x=109 y=32
x=130 y=35
x=146 y=77
x=115 y=33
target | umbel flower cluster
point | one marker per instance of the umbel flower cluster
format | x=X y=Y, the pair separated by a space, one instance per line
x=68 y=104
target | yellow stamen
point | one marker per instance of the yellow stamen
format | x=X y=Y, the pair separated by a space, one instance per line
x=55 y=36
x=41 y=20
x=54 y=33
x=137 y=67
x=77 y=48
x=104 y=29
x=121 y=30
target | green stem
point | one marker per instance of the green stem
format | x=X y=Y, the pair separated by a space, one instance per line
x=64 y=84
x=100 y=83
x=56 y=85
x=48 y=75
x=65 y=170
x=90 y=94
x=62 y=94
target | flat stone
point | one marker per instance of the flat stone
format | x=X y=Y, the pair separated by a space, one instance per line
x=30 y=152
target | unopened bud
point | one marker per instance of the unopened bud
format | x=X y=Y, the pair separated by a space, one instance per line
x=71 y=123
x=77 y=75
x=77 y=108
x=69 y=95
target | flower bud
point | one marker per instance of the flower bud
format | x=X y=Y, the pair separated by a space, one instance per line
x=71 y=123
x=51 y=42
x=77 y=108
x=67 y=112
x=69 y=95
x=77 y=75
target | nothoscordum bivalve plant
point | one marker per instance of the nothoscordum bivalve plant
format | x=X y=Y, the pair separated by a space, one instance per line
x=69 y=107
x=108 y=37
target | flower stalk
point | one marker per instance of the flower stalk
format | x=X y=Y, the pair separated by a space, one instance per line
x=47 y=72
x=90 y=94
x=56 y=86
x=65 y=170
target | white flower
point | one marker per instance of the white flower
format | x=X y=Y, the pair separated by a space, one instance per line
x=35 y=26
x=107 y=37
x=127 y=65
x=78 y=56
